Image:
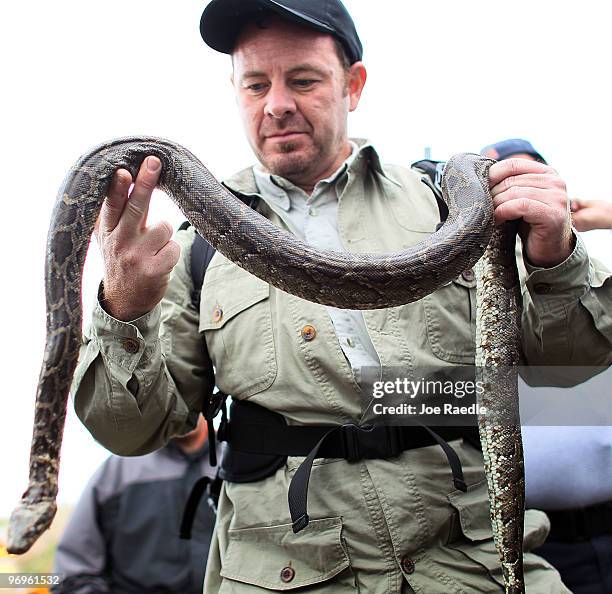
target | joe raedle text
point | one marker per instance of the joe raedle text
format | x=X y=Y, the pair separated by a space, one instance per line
x=427 y=409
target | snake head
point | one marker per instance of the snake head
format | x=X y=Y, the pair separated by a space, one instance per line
x=28 y=521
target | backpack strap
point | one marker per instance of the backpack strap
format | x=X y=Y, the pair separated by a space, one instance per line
x=433 y=179
x=202 y=253
x=214 y=402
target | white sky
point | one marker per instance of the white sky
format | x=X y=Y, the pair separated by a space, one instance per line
x=75 y=74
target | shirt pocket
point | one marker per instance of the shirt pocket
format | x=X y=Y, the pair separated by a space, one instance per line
x=471 y=531
x=472 y=534
x=236 y=320
x=275 y=558
x=450 y=315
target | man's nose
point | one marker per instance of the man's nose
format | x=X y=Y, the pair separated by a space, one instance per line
x=279 y=102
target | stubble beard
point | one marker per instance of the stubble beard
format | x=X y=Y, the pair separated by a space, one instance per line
x=291 y=163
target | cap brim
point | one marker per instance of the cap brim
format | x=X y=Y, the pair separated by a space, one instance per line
x=222 y=20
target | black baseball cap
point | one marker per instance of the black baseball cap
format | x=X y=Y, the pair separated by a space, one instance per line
x=513 y=146
x=222 y=21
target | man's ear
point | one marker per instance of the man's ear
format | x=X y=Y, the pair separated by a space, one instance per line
x=357 y=76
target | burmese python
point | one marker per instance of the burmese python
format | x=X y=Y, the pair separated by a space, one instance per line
x=345 y=280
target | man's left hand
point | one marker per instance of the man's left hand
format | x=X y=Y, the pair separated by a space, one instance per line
x=534 y=192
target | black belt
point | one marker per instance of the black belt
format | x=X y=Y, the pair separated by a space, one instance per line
x=351 y=442
x=580 y=524
x=368 y=441
x=273 y=437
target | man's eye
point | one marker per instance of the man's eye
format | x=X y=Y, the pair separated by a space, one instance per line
x=304 y=82
x=256 y=87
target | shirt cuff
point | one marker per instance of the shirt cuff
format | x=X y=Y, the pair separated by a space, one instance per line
x=125 y=343
x=564 y=283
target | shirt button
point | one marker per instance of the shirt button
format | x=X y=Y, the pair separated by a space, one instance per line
x=130 y=345
x=542 y=288
x=468 y=275
x=217 y=314
x=350 y=342
x=407 y=565
x=313 y=212
x=308 y=332
x=287 y=574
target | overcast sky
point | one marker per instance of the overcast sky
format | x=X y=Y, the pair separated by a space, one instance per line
x=454 y=78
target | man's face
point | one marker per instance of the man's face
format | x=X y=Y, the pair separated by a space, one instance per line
x=294 y=96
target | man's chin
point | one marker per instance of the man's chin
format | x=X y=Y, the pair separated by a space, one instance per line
x=289 y=163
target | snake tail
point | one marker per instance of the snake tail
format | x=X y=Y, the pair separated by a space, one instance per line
x=498 y=355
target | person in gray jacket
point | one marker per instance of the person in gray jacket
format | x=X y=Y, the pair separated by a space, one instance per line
x=123 y=537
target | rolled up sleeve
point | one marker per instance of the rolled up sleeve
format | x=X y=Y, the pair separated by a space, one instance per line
x=567 y=312
x=139 y=383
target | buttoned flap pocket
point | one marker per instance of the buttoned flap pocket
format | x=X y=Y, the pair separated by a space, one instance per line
x=471 y=531
x=236 y=320
x=228 y=298
x=472 y=534
x=450 y=314
x=277 y=559
x=473 y=511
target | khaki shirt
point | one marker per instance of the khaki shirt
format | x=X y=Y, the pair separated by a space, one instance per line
x=383 y=526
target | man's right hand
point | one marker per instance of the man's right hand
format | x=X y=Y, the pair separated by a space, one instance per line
x=138 y=258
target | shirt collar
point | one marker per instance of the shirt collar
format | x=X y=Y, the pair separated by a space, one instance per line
x=244 y=181
x=277 y=188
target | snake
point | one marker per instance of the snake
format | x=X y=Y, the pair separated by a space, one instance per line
x=344 y=280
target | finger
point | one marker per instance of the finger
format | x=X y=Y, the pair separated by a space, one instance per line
x=166 y=258
x=510 y=167
x=136 y=208
x=582 y=221
x=158 y=235
x=531 y=211
x=552 y=198
x=535 y=180
x=581 y=204
x=114 y=203
x=575 y=205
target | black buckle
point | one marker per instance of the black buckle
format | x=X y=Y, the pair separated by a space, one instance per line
x=349 y=437
x=212 y=404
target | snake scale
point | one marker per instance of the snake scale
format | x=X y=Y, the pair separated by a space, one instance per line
x=345 y=280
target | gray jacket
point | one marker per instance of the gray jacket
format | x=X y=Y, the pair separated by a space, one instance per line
x=123 y=537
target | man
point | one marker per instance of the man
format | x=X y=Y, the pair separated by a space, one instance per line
x=123 y=537
x=387 y=524
x=567 y=469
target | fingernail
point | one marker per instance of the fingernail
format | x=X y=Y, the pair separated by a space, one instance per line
x=153 y=164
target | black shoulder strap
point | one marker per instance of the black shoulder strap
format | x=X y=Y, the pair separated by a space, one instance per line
x=201 y=255
x=433 y=170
